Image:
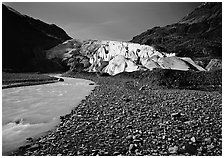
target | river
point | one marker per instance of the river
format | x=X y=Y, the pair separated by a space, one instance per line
x=31 y=111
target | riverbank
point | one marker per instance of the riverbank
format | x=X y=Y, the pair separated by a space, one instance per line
x=123 y=116
x=10 y=80
x=28 y=112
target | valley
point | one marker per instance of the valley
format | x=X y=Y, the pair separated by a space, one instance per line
x=157 y=94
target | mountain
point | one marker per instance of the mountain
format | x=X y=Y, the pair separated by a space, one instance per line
x=24 y=41
x=198 y=35
x=193 y=43
x=114 y=57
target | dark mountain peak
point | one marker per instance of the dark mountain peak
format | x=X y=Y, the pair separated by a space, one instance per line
x=11 y=9
x=51 y=30
x=199 y=34
x=205 y=12
x=25 y=39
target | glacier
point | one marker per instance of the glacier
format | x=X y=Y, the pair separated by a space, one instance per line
x=114 y=57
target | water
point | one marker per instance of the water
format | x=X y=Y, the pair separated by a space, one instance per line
x=33 y=110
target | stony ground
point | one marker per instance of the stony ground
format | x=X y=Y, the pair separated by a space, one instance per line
x=122 y=118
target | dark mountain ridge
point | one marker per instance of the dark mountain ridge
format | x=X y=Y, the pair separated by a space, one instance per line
x=198 y=35
x=24 y=41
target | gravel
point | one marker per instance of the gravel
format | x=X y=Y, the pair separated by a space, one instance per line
x=120 y=117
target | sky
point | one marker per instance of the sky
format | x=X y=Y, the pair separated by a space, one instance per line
x=105 y=20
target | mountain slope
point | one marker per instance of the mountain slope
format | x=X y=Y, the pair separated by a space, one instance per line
x=24 y=40
x=199 y=34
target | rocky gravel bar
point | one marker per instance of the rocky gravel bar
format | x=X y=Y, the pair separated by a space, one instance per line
x=122 y=117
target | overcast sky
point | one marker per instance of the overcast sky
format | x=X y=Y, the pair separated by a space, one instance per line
x=106 y=21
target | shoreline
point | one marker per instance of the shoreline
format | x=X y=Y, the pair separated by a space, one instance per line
x=121 y=118
x=10 y=80
x=71 y=106
x=27 y=83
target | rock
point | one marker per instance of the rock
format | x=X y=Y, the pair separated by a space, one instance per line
x=103 y=74
x=137 y=136
x=190 y=148
x=176 y=115
x=127 y=99
x=184 y=118
x=106 y=153
x=61 y=79
x=188 y=122
x=173 y=150
x=137 y=141
x=116 y=153
x=188 y=136
x=155 y=116
x=34 y=147
x=131 y=147
x=209 y=147
x=129 y=137
x=193 y=139
x=24 y=147
x=94 y=152
x=102 y=110
x=79 y=153
x=30 y=139
x=142 y=88
x=91 y=84
x=208 y=140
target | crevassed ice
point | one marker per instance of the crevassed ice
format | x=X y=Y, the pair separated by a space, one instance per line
x=123 y=56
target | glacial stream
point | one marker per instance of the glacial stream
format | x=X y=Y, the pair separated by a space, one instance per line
x=31 y=111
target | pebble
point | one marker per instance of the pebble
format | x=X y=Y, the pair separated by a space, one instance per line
x=24 y=147
x=142 y=88
x=209 y=147
x=175 y=115
x=116 y=153
x=188 y=136
x=131 y=148
x=129 y=137
x=129 y=126
x=190 y=148
x=193 y=139
x=104 y=120
x=34 y=147
x=208 y=140
x=188 y=122
x=173 y=150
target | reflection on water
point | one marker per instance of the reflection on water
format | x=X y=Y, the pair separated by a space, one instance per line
x=29 y=111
